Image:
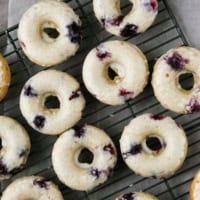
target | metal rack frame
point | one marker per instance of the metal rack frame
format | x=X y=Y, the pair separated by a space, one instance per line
x=163 y=35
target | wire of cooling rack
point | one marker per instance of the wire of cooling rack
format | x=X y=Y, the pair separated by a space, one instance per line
x=163 y=35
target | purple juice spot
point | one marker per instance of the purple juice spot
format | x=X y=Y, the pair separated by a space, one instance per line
x=117 y=21
x=79 y=132
x=3 y=168
x=176 y=61
x=75 y=94
x=74 y=32
x=29 y=91
x=129 y=30
x=41 y=183
x=128 y=196
x=193 y=106
x=102 y=53
x=108 y=172
x=95 y=172
x=109 y=148
x=39 y=121
x=157 y=118
x=126 y=94
x=23 y=153
x=22 y=44
x=135 y=149
x=152 y=5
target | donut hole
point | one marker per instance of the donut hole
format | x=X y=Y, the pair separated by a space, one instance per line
x=1 y=146
x=85 y=156
x=51 y=32
x=186 y=81
x=115 y=72
x=52 y=102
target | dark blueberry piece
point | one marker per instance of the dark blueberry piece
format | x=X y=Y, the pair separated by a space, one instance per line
x=193 y=106
x=103 y=21
x=41 y=183
x=154 y=143
x=75 y=94
x=128 y=196
x=135 y=149
x=176 y=61
x=39 y=121
x=109 y=148
x=23 y=153
x=51 y=32
x=29 y=91
x=117 y=21
x=22 y=44
x=102 y=54
x=74 y=32
x=3 y=168
x=95 y=172
x=157 y=117
x=129 y=30
x=79 y=132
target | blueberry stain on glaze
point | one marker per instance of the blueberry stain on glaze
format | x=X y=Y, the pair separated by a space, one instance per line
x=79 y=132
x=108 y=172
x=129 y=30
x=29 y=91
x=176 y=61
x=152 y=5
x=75 y=94
x=41 y=183
x=74 y=32
x=157 y=118
x=102 y=54
x=95 y=172
x=22 y=44
x=134 y=150
x=39 y=121
x=193 y=106
x=128 y=196
x=126 y=94
x=109 y=148
x=3 y=168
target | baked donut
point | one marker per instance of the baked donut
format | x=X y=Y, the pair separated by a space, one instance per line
x=130 y=67
x=149 y=146
x=15 y=146
x=165 y=81
x=56 y=118
x=136 y=195
x=32 y=187
x=5 y=77
x=195 y=187
x=78 y=175
x=138 y=20
x=49 y=32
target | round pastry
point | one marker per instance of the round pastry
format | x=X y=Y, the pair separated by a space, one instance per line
x=138 y=20
x=79 y=175
x=195 y=187
x=5 y=77
x=165 y=81
x=49 y=32
x=47 y=85
x=129 y=66
x=32 y=187
x=153 y=146
x=15 y=146
x=136 y=195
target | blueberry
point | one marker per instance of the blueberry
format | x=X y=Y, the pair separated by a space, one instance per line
x=109 y=148
x=102 y=53
x=193 y=106
x=29 y=91
x=128 y=196
x=3 y=168
x=79 y=132
x=23 y=153
x=176 y=61
x=117 y=21
x=39 y=121
x=95 y=172
x=134 y=150
x=41 y=183
x=157 y=117
x=74 y=32
x=129 y=30
x=75 y=94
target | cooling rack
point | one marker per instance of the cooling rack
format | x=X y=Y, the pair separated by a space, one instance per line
x=163 y=35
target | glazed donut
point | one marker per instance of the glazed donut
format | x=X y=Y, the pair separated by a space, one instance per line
x=49 y=32
x=195 y=187
x=53 y=120
x=153 y=146
x=15 y=146
x=32 y=187
x=165 y=81
x=136 y=195
x=5 y=77
x=138 y=20
x=79 y=175
x=129 y=64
